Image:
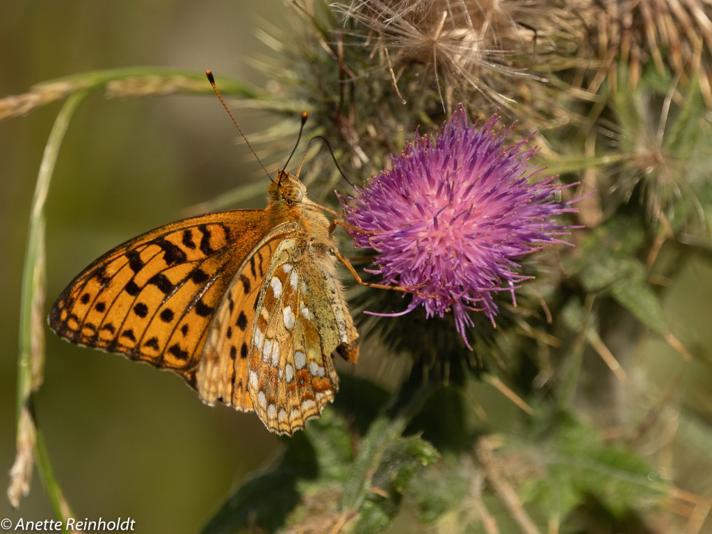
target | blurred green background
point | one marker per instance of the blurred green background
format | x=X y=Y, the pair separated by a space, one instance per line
x=126 y=439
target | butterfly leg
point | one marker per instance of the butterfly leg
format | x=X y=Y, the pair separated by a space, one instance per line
x=340 y=222
x=360 y=280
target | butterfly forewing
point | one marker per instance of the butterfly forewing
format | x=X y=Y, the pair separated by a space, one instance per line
x=152 y=298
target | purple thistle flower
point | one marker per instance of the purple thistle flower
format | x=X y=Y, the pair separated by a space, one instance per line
x=453 y=218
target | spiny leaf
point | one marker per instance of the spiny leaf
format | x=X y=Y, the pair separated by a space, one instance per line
x=578 y=464
x=441 y=488
x=636 y=296
x=266 y=500
x=316 y=457
x=318 y=465
x=400 y=462
x=603 y=255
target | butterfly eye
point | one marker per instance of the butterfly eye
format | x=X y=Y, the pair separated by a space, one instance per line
x=292 y=195
x=297 y=195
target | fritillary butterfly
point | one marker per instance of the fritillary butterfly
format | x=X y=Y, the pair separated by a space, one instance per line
x=245 y=305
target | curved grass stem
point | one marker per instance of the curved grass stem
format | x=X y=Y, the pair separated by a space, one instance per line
x=129 y=81
x=30 y=363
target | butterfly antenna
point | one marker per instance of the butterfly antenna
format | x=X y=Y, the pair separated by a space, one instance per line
x=211 y=79
x=333 y=157
x=305 y=116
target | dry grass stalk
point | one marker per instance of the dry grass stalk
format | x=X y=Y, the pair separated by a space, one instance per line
x=154 y=85
x=21 y=470
x=39 y=95
x=502 y=487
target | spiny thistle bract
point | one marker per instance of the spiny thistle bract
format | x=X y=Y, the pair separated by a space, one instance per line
x=454 y=217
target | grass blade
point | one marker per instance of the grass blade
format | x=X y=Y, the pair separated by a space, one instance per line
x=30 y=361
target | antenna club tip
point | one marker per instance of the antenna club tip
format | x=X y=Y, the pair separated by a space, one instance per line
x=305 y=116
x=209 y=74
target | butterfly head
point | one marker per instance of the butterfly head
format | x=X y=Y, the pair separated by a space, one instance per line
x=287 y=188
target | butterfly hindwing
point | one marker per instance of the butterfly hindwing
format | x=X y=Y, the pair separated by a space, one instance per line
x=291 y=374
x=153 y=297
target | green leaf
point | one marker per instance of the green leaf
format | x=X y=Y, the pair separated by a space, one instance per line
x=386 y=462
x=400 y=462
x=266 y=500
x=332 y=443
x=636 y=296
x=313 y=459
x=578 y=464
x=606 y=263
x=441 y=488
x=318 y=480
x=605 y=252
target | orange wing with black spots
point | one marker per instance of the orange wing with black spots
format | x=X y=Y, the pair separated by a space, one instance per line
x=153 y=297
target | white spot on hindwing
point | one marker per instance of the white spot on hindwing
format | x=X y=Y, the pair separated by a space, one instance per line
x=308 y=405
x=315 y=369
x=288 y=317
x=300 y=359
x=259 y=337
x=254 y=381
x=282 y=415
x=293 y=279
x=262 y=400
x=305 y=313
x=267 y=350
x=275 y=354
x=287 y=267
x=276 y=284
x=271 y=411
x=289 y=372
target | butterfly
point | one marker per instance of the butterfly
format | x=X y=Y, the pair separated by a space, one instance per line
x=245 y=305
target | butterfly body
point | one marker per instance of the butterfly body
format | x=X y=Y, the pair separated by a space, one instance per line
x=245 y=305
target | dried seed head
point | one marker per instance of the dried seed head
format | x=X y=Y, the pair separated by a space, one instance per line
x=462 y=45
x=673 y=36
